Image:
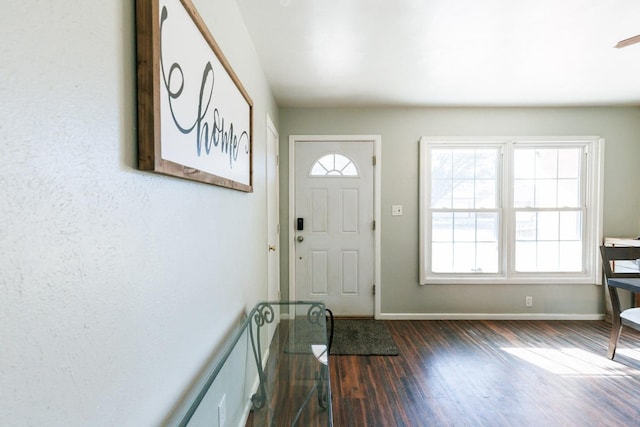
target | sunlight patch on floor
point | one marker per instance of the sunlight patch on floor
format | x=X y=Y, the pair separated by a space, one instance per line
x=576 y=362
x=632 y=353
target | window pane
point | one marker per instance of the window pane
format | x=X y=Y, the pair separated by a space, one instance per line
x=569 y=163
x=523 y=193
x=485 y=194
x=487 y=227
x=441 y=162
x=525 y=256
x=350 y=170
x=464 y=227
x=545 y=193
x=442 y=227
x=464 y=257
x=442 y=257
x=568 y=193
x=487 y=257
x=548 y=256
x=570 y=256
x=546 y=163
x=571 y=226
x=327 y=162
x=524 y=164
x=464 y=163
x=318 y=169
x=548 y=226
x=463 y=194
x=340 y=162
x=526 y=226
x=441 y=192
x=486 y=164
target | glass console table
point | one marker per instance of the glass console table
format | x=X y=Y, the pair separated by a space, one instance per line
x=294 y=387
x=284 y=348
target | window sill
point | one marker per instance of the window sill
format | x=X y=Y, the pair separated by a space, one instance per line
x=550 y=280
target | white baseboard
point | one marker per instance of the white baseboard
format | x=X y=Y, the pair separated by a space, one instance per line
x=245 y=415
x=489 y=316
x=248 y=406
x=254 y=389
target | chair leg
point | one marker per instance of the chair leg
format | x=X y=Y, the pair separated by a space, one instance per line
x=616 y=329
x=616 y=323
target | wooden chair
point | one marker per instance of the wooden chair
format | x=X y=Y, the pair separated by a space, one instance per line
x=631 y=316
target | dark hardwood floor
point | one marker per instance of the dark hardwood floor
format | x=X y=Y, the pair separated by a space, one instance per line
x=478 y=373
x=491 y=373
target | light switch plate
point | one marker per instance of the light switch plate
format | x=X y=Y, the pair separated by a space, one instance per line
x=396 y=210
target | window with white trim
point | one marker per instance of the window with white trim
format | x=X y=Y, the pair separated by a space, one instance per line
x=510 y=210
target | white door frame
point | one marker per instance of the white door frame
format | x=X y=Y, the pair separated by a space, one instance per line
x=273 y=221
x=377 y=149
x=271 y=129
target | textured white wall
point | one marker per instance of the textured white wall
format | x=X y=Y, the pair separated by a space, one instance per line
x=116 y=285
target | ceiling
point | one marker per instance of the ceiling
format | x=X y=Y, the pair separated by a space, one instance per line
x=334 y=53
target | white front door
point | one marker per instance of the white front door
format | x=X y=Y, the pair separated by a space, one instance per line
x=334 y=225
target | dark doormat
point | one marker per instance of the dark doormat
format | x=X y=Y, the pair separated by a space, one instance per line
x=360 y=337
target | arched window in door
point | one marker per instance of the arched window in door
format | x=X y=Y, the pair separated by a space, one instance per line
x=334 y=165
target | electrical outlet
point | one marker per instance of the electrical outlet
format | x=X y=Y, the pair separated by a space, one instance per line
x=528 y=301
x=222 y=411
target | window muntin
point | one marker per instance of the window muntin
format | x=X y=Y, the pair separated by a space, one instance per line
x=334 y=164
x=542 y=199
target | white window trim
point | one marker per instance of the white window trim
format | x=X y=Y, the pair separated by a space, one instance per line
x=592 y=226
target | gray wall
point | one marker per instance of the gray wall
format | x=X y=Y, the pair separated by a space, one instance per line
x=116 y=286
x=401 y=129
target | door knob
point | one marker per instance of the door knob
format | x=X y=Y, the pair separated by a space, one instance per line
x=299 y=238
x=272 y=248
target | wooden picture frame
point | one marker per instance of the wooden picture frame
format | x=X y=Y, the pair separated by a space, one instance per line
x=195 y=119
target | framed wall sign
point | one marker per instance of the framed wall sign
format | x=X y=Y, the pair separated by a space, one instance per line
x=194 y=116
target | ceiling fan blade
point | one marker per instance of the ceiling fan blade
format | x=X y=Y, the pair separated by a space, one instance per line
x=629 y=41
